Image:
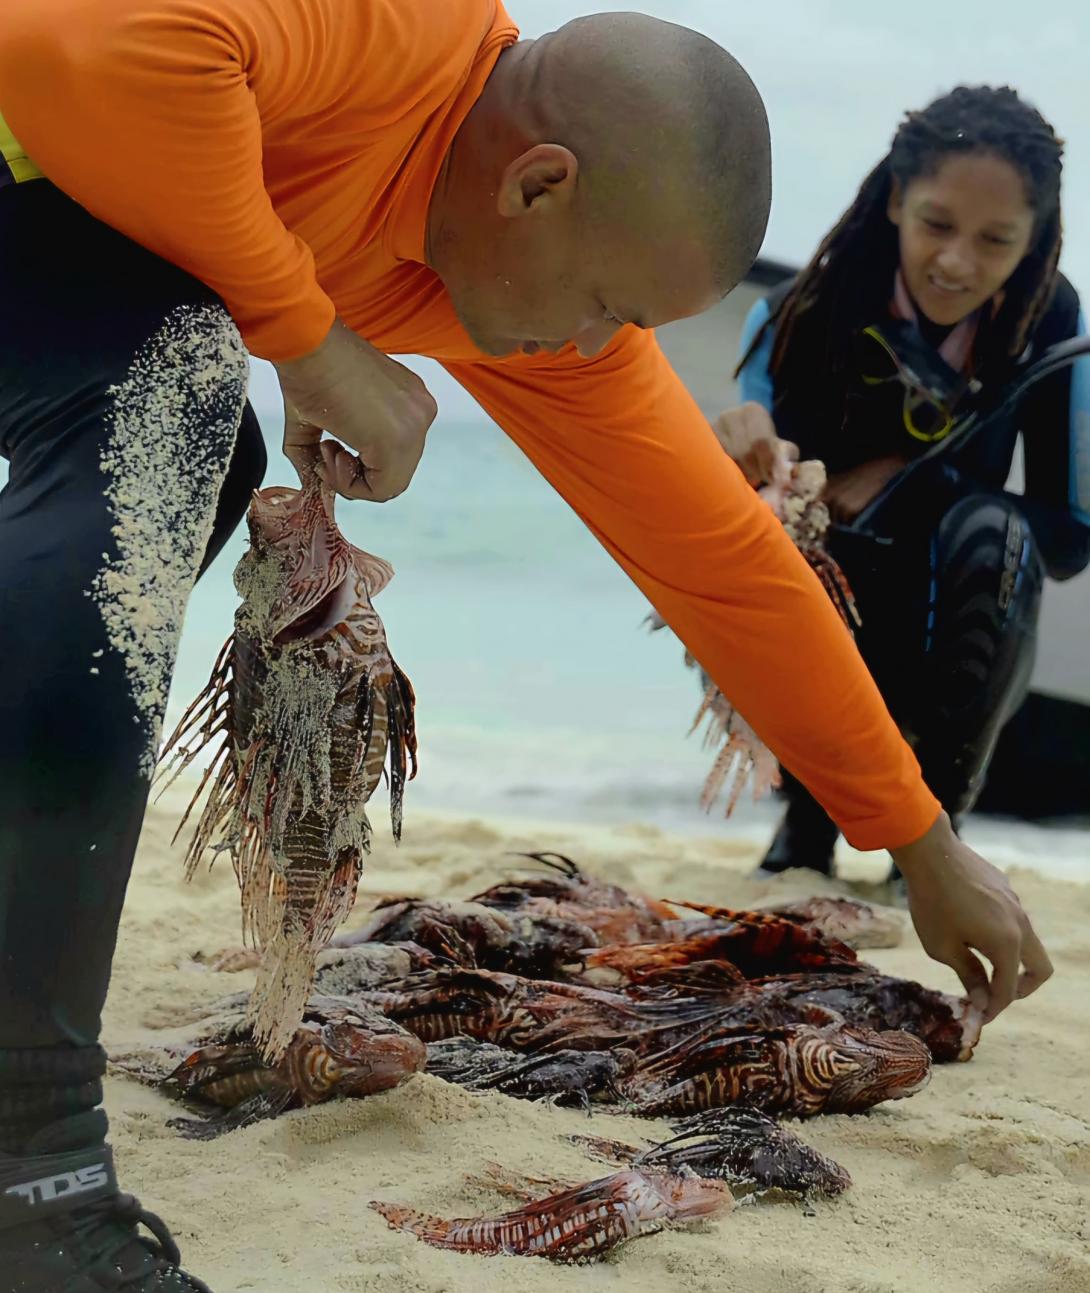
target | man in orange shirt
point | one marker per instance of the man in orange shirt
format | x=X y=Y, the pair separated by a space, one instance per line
x=324 y=185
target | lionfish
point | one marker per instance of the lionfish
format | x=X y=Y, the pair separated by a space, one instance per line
x=342 y=1050
x=579 y=1224
x=743 y=756
x=308 y=712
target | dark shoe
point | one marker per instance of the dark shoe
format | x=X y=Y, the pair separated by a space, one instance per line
x=806 y=838
x=66 y=1228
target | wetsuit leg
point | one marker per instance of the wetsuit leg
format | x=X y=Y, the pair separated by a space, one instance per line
x=988 y=578
x=890 y=588
x=949 y=634
x=122 y=391
x=806 y=836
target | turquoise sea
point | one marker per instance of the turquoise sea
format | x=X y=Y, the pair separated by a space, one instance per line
x=540 y=693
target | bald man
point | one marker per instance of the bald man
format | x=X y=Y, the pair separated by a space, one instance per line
x=186 y=182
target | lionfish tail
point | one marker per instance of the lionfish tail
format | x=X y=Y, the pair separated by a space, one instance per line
x=433 y=1230
x=290 y=946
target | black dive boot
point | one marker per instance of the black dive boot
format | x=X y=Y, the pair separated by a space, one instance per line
x=806 y=836
x=66 y=1228
x=64 y=1225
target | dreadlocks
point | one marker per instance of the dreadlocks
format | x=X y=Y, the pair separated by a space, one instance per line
x=846 y=284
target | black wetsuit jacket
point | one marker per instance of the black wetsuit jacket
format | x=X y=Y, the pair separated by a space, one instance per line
x=847 y=424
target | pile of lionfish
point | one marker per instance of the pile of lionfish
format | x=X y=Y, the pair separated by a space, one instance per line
x=556 y=986
x=741 y=754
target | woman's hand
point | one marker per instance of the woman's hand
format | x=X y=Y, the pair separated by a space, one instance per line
x=748 y=434
x=369 y=402
x=848 y=492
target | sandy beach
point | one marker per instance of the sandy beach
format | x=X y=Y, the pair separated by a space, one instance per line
x=979 y=1184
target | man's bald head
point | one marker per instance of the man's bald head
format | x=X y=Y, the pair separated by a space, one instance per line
x=659 y=115
x=615 y=171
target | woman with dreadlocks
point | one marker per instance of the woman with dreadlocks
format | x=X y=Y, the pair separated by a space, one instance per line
x=937 y=286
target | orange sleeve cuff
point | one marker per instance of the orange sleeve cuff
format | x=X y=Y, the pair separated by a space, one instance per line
x=290 y=332
x=903 y=824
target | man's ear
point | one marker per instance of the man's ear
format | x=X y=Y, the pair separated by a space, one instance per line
x=540 y=179
x=895 y=205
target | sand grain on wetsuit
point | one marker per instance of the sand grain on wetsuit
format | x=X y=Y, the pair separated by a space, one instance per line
x=173 y=422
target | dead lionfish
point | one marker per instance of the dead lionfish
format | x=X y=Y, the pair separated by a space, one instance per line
x=742 y=755
x=795 y=1070
x=578 y=1224
x=859 y=924
x=754 y=943
x=566 y=893
x=308 y=709
x=470 y=934
x=948 y=1026
x=340 y=1050
x=742 y=1146
x=561 y=1077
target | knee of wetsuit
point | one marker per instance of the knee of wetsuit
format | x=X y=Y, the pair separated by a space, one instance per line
x=984 y=549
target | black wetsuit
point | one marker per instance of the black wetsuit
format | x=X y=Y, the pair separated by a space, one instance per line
x=132 y=456
x=950 y=599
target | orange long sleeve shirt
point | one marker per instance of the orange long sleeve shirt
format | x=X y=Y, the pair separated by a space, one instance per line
x=284 y=152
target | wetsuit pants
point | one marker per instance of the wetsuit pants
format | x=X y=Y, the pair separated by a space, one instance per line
x=132 y=453
x=949 y=634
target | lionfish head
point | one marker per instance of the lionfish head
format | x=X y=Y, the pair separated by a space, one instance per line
x=862 y=1068
x=294 y=529
x=367 y=1061
x=681 y=1195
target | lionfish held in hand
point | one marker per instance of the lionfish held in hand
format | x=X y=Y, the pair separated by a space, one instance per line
x=309 y=711
x=742 y=755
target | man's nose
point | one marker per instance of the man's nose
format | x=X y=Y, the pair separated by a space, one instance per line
x=591 y=341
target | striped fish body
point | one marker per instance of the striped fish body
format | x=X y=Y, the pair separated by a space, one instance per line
x=310 y=712
x=576 y=1225
x=797 y=1071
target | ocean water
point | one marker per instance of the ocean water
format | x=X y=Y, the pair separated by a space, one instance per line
x=540 y=693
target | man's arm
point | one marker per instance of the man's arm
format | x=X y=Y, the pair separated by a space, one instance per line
x=621 y=439
x=146 y=115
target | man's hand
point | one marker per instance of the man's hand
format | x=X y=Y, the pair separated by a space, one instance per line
x=848 y=492
x=960 y=903
x=375 y=406
x=748 y=434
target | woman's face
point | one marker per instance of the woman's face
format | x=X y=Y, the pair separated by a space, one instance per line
x=963 y=232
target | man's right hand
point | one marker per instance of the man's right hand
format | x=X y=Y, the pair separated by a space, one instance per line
x=961 y=905
x=370 y=403
x=748 y=434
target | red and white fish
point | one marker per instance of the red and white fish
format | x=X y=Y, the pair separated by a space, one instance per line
x=307 y=712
